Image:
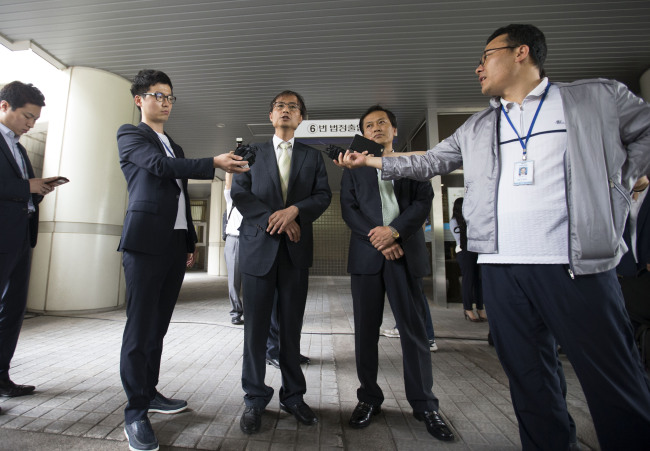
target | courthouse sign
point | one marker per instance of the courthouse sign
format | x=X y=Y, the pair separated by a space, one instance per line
x=328 y=128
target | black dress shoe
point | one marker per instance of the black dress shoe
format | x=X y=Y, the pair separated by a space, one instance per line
x=301 y=411
x=273 y=362
x=9 y=390
x=304 y=359
x=251 y=420
x=236 y=320
x=141 y=436
x=362 y=414
x=435 y=425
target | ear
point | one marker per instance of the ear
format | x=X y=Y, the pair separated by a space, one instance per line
x=4 y=106
x=522 y=53
x=395 y=128
x=271 y=116
x=138 y=100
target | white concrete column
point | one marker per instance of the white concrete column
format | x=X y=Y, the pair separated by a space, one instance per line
x=216 y=262
x=437 y=223
x=76 y=266
x=644 y=81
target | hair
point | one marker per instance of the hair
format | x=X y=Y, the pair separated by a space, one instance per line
x=301 y=101
x=457 y=210
x=147 y=78
x=457 y=214
x=372 y=109
x=525 y=34
x=17 y=94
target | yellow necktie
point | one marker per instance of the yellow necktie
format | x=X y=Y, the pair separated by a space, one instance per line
x=284 y=165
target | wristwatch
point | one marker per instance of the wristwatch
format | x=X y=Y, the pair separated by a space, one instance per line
x=395 y=232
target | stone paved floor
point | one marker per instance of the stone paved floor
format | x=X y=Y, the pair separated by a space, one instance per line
x=74 y=362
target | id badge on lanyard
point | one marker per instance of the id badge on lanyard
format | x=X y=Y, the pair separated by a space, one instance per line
x=524 y=170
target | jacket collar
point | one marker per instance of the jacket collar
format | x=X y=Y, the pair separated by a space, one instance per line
x=154 y=136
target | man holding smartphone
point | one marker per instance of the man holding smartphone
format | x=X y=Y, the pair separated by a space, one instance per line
x=20 y=194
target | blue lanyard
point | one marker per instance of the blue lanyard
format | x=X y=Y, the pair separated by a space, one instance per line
x=530 y=130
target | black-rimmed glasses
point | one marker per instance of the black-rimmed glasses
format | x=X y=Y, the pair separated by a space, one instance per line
x=281 y=106
x=485 y=53
x=160 y=96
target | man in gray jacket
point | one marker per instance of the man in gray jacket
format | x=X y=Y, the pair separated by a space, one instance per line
x=548 y=169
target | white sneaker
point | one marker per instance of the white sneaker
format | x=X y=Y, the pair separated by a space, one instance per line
x=433 y=347
x=390 y=333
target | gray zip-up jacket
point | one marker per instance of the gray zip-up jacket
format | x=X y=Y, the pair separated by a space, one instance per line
x=608 y=148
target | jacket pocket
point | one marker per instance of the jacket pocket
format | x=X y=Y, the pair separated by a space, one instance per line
x=248 y=230
x=621 y=204
x=144 y=206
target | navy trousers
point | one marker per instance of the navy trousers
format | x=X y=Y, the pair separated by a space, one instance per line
x=14 y=282
x=530 y=305
x=291 y=284
x=405 y=297
x=273 y=342
x=152 y=286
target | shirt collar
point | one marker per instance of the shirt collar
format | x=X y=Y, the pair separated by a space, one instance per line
x=536 y=93
x=277 y=141
x=10 y=136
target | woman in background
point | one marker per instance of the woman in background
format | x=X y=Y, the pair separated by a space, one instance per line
x=467 y=260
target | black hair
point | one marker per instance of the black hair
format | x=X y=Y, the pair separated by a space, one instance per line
x=526 y=34
x=146 y=78
x=301 y=101
x=372 y=109
x=461 y=229
x=457 y=210
x=17 y=94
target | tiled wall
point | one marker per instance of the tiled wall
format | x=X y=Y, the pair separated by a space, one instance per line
x=34 y=143
x=331 y=241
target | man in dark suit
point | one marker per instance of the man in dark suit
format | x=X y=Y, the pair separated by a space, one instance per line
x=387 y=255
x=157 y=243
x=282 y=195
x=20 y=194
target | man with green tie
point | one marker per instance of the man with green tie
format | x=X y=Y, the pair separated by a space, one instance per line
x=387 y=254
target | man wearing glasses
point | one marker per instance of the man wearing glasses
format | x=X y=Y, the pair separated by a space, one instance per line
x=157 y=242
x=285 y=191
x=549 y=237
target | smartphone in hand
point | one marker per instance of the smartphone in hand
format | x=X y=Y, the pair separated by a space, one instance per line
x=58 y=181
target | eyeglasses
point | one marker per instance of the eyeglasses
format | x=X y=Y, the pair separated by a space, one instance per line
x=281 y=106
x=485 y=54
x=160 y=96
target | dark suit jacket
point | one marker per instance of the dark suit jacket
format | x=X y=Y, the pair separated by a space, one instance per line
x=14 y=196
x=257 y=194
x=153 y=193
x=361 y=209
x=627 y=266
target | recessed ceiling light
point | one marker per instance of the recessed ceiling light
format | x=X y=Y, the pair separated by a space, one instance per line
x=221 y=125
